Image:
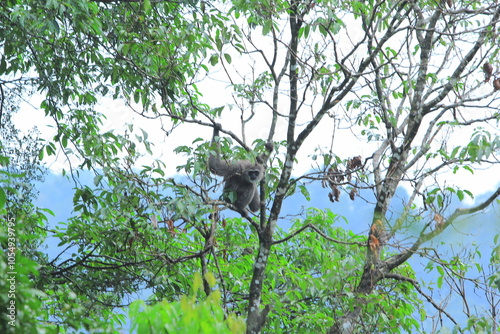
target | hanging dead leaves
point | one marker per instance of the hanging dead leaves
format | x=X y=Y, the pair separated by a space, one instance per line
x=488 y=73
x=332 y=178
x=496 y=84
x=354 y=163
x=439 y=221
x=335 y=178
x=376 y=233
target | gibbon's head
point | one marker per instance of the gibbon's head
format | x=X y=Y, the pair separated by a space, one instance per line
x=253 y=175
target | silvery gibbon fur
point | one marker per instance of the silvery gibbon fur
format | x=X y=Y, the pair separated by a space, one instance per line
x=241 y=177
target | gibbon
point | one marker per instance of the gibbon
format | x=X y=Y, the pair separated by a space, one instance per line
x=240 y=177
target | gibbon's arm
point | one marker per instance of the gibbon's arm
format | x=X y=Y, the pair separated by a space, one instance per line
x=223 y=168
x=216 y=165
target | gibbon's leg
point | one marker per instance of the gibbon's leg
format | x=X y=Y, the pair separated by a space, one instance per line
x=244 y=193
x=254 y=205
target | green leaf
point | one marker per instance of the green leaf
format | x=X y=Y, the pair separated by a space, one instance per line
x=97 y=179
x=266 y=28
x=305 y=192
x=469 y=169
x=3 y=198
x=214 y=59
x=64 y=141
x=3 y=65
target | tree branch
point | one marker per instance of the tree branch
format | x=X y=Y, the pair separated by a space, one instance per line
x=397 y=260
